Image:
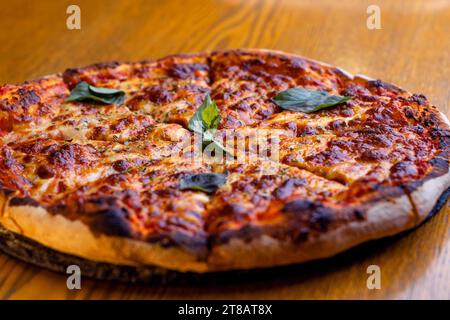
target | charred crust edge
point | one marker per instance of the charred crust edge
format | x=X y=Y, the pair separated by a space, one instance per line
x=196 y=244
x=7 y=192
x=35 y=253
x=385 y=85
x=23 y=201
x=111 y=222
x=305 y=220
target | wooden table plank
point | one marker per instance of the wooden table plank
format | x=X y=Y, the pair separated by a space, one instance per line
x=411 y=50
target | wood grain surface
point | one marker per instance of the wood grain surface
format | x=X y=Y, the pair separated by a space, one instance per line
x=411 y=50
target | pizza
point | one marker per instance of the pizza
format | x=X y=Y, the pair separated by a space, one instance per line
x=154 y=163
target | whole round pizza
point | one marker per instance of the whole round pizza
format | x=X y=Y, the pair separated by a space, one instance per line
x=217 y=161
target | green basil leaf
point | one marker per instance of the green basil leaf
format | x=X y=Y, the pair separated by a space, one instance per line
x=205 y=122
x=206 y=117
x=206 y=182
x=84 y=91
x=307 y=101
x=103 y=91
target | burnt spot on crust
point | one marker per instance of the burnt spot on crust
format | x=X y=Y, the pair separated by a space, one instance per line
x=246 y=233
x=69 y=155
x=23 y=98
x=431 y=120
x=105 y=65
x=158 y=94
x=69 y=75
x=45 y=172
x=373 y=155
x=331 y=156
x=410 y=113
x=419 y=98
x=440 y=133
x=197 y=244
x=6 y=191
x=443 y=136
x=440 y=166
x=111 y=222
x=321 y=218
x=384 y=85
x=60 y=208
x=286 y=189
x=358 y=90
x=315 y=214
x=34 y=147
x=23 y=201
x=359 y=214
x=7 y=159
x=186 y=70
x=121 y=165
x=94 y=74
x=64 y=157
x=103 y=203
x=299 y=205
x=403 y=170
x=27 y=97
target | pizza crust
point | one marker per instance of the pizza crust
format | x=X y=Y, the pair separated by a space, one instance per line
x=74 y=237
x=384 y=219
x=425 y=196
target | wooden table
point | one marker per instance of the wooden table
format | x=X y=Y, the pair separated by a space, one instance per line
x=411 y=50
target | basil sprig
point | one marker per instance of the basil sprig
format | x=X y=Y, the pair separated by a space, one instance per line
x=307 y=101
x=206 y=117
x=205 y=122
x=206 y=182
x=84 y=91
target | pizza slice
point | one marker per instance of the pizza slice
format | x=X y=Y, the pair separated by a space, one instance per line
x=168 y=89
x=244 y=82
